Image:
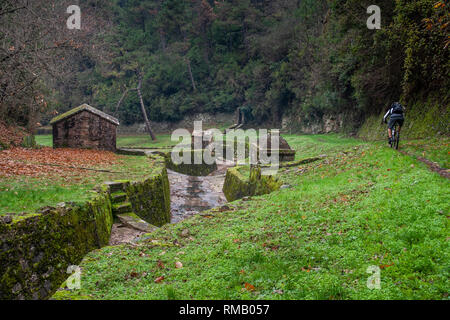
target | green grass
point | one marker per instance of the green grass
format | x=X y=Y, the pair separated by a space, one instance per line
x=144 y=141
x=45 y=140
x=28 y=194
x=437 y=150
x=315 y=145
x=364 y=205
x=123 y=141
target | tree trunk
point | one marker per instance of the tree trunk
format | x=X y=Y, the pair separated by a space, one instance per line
x=144 y=113
x=120 y=102
x=190 y=74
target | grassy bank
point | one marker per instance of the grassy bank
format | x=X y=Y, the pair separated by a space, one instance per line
x=123 y=141
x=364 y=205
x=26 y=194
x=426 y=118
x=434 y=149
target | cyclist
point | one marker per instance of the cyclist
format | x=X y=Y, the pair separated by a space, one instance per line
x=395 y=113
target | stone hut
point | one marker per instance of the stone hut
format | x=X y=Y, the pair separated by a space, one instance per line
x=85 y=127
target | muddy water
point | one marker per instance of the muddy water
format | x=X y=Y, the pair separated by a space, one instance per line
x=189 y=195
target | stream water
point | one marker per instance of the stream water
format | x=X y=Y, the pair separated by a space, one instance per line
x=189 y=195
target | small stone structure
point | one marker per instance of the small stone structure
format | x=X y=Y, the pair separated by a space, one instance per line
x=85 y=127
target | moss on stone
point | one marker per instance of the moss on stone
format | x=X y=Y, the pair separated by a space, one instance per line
x=242 y=181
x=236 y=185
x=36 y=250
x=66 y=294
x=150 y=198
x=202 y=169
x=29 y=141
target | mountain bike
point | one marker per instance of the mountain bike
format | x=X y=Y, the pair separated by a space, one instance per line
x=395 y=136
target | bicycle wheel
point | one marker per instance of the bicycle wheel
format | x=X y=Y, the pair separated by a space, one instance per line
x=394 y=131
x=396 y=137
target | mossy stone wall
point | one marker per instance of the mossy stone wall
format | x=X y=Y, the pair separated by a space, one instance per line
x=150 y=198
x=239 y=183
x=37 y=249
x=192 y=169
x=236 y=185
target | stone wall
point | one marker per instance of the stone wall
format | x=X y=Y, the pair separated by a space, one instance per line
x=422 y=120
x=327 y=123
x=201 y=169
x=37 y=249
x=85 y=130
x=150 y=198
x=242 y=181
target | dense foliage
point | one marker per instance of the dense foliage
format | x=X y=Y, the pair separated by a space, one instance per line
x=274 y=57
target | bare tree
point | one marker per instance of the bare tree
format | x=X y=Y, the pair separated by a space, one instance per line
x=36 y=48
x=141 y=101
x=144 y=113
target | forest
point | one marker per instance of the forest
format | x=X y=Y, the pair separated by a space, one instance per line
x=300 y=58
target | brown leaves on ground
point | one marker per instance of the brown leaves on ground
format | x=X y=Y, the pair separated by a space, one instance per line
x=11 y=135
x=51 y=162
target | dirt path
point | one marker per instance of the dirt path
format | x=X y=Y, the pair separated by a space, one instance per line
x=433 y=166
x=121 y=234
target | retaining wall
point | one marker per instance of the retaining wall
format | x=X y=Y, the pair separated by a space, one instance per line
x=242 y=181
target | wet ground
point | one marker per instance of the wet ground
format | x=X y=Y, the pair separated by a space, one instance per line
x=121 y=234
x=189 y=195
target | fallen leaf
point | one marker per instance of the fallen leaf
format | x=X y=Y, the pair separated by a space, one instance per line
x=249 y=287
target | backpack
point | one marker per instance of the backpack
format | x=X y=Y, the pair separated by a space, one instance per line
x=397 y=108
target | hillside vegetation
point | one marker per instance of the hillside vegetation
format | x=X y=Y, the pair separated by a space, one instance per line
x=304 y=58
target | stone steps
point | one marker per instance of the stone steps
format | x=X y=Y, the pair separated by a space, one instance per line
x=121 y=208
x=118 y=197
x=131 y=220
x=115 y=186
